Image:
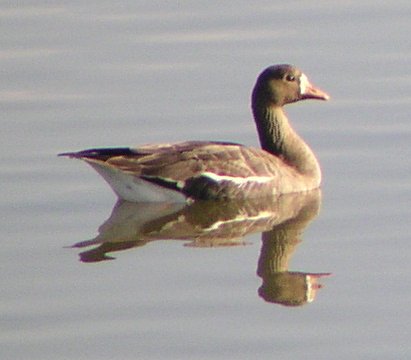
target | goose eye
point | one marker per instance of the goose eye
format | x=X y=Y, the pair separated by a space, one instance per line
x=290 y=78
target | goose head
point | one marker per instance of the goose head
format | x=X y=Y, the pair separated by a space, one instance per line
x=279 y=85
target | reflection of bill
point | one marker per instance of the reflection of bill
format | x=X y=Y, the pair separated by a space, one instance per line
x=281 y=220
x=290 y=288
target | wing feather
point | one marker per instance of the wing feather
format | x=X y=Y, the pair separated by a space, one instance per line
x=198 y=169
x=183 y=161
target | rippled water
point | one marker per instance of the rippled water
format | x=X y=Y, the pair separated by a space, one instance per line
x=76 y=75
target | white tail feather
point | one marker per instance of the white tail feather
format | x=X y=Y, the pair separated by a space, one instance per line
x=131 y=188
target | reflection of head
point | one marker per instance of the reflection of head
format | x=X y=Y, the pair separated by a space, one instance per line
x=290 y=288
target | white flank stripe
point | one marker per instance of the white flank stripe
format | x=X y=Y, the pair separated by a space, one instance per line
x=237 y=179
x=240 y=218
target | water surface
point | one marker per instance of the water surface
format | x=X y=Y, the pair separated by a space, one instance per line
x=77 y=75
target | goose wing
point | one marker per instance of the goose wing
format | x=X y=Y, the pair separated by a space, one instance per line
x=196 y=169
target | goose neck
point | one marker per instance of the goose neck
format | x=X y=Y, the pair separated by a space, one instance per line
x=279 y=138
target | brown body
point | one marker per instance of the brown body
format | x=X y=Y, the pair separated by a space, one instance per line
x=214 y=170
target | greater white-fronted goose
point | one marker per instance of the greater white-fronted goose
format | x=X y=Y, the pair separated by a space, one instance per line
x=216 y=170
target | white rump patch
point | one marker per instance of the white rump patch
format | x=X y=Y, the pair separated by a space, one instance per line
x=237 y=179
x=131 y=188
x=304 y=83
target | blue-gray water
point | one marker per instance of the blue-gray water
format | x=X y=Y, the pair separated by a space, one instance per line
x=83 y=74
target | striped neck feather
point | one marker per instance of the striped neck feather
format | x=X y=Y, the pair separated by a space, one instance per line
x=279 y=138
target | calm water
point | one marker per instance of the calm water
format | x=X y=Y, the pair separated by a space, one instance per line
x=81 y=74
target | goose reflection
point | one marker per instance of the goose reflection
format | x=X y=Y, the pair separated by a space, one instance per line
x=281 y=220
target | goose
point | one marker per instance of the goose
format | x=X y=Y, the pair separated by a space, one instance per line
x=206 y=170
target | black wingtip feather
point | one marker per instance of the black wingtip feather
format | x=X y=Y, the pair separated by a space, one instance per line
x=100 y=154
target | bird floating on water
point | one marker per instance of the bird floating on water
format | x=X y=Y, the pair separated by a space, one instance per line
x=221 y=170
